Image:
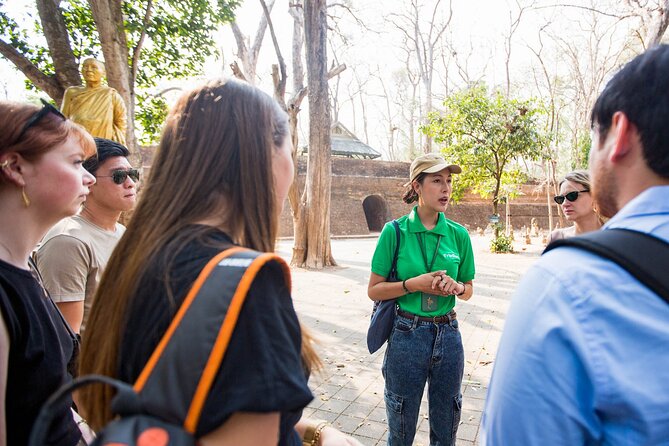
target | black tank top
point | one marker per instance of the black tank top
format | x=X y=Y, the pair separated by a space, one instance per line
x=40 y=347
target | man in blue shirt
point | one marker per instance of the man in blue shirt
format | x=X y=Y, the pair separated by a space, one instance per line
x=583 y=360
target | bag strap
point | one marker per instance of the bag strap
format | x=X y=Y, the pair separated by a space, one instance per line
x=642 y=255
x=393 y=267
x=51 y=407
x=188 y=356
x=178 y=376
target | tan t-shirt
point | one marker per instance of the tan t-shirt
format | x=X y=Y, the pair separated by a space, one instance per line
x=72 y=257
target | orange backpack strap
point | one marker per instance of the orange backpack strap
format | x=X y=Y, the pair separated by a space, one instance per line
x=177 y=378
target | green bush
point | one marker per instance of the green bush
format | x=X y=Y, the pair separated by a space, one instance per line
x=501 y=243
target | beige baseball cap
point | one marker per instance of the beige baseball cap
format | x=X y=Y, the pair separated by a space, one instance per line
x=430 y=163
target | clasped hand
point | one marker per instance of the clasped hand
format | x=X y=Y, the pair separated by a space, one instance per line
x=436 y=282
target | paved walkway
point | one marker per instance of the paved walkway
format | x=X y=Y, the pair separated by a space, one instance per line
x=334 y=304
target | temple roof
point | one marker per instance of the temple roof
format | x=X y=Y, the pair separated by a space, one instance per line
x=346 y=144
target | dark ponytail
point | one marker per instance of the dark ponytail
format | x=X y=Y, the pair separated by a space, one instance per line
x=410 y=195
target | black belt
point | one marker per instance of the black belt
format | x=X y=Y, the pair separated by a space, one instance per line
x=448 y=317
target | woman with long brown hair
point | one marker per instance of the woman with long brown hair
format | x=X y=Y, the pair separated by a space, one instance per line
x=41 y=181
x=220 y=177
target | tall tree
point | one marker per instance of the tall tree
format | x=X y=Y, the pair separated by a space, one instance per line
x=549 y=86
x=659 y=21
x=487 y=133
x=313 y=250
x=514 y=22
x=424 y=40
x=248 y=52
x=142 y=42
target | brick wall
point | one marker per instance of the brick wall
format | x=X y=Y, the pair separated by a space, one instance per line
x=378 y=186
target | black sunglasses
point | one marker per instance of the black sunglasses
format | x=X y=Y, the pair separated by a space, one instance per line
x=119 y=176
x=571 y=196
x=38 y=116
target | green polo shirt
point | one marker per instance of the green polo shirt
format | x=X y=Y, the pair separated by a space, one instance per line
x=455 y=255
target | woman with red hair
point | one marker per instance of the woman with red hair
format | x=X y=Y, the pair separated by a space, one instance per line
x=41 y=181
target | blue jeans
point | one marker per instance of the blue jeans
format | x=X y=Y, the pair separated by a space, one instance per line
x=420 y=352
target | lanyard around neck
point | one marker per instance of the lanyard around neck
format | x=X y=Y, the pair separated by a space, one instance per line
x=421 y=241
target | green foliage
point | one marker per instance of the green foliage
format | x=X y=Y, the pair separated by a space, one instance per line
x=150 y=116
x=179 y=37
x=582 y=151
x=501 y=243
x=486 y=133
x=84 y=39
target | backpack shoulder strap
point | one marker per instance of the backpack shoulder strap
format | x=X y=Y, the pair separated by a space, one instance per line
x=642 y=255
x=393 y=267
x=177 y=378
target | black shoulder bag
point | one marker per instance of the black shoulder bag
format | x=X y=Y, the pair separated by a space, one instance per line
x=165 y=403
x=383 y=312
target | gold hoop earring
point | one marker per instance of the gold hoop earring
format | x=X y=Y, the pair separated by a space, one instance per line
x=4 y=164
x=26 y=200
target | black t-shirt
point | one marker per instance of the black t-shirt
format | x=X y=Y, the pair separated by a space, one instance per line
x=262 y=369
x=40 y=347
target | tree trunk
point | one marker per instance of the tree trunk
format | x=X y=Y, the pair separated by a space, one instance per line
x=55 y=32
x=495 y=205
x=427 y=108
x=316 y=218
x=48 y=84
x=248 y=54
x=658 y=26
x=299 y=92
x=108 y=18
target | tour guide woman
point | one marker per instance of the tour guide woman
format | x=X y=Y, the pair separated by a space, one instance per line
x=435 y=264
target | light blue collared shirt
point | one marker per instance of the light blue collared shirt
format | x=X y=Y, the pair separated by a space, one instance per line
x=583 y=358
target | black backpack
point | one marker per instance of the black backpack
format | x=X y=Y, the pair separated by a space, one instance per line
x=165 y=403
x=642 y=255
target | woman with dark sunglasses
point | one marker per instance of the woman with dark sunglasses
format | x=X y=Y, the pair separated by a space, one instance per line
x=41 y=181
x=577 y=205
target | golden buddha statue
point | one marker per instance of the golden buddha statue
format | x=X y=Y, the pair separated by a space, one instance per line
x=97 y=107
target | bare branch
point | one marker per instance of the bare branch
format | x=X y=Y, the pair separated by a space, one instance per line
x=297 y=45
x=237 y=72
x=335 y=71
x=350 y=12
x=47 y=83
x=167 y=90
x=297 y=98
x=658 y=26
x=278 y=75
x=58 y=41
x=587 y=8
x=242 y=49
x=138 y=48
x=260 y=33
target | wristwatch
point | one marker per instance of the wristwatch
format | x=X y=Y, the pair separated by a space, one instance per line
x=464 y=289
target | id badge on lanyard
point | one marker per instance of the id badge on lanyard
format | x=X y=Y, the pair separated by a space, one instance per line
x=428 y=302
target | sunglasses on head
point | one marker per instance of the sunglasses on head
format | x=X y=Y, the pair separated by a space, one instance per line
x=571 y=196
x=119 y=176
x=38 y=116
